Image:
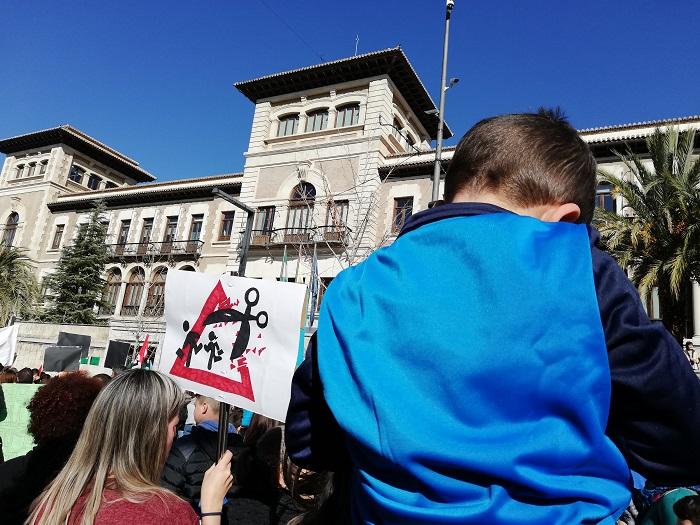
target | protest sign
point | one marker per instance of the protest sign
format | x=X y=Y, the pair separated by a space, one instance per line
x=117 y=352
x=232 y=338
x=69 y=339
x=62 y=358
x=8 y=344
x=14 y=418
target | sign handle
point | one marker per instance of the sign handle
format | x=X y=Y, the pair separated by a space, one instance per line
x=222 y=444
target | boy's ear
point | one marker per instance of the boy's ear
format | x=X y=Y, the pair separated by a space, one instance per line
x=568 y=212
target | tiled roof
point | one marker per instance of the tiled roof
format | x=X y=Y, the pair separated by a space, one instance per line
x=143 y=193
x=67 y=134
x=392 y=62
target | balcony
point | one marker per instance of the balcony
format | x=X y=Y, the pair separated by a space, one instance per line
x=332 y=235
x=156 y=250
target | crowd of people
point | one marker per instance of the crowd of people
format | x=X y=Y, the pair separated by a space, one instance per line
x=403 y=412
x=9 y=374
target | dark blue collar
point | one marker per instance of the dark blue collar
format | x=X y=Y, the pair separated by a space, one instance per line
x=447 y=211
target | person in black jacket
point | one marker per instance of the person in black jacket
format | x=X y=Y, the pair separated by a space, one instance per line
x=191 y=455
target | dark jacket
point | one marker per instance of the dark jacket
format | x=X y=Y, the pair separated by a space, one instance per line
x=190 y=457
x=246 y=510
x=655 y=401
x=23 y=478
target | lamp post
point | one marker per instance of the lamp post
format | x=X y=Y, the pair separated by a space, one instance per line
x=224 y=408
x=441 y=112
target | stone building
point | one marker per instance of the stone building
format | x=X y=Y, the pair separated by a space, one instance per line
x=339 y=156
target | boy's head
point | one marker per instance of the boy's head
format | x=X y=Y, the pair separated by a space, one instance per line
x=532 y=163
x=688 y=510
x=205 y=409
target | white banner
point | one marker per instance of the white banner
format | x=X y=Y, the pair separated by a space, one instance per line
x=8 y=344
x=233 y=339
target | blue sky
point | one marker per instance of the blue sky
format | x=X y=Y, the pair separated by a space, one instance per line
x=153 y=79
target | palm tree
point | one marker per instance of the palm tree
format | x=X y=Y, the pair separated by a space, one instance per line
x=18 y=286
x=657 y=235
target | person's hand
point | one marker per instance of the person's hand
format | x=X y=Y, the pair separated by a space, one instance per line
x=217 y=481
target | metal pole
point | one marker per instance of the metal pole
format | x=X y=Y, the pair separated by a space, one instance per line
x=225 y=408
x=441 y=112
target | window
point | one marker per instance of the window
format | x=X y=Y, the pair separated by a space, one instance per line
x=337 y=213
x=146 y=231
x=196 y=227
x=20 y=171
x=57 y=236
x=410 y=141
x=8 y=236
x=403 y=209
x=265 y=219
x=124 y=232
x=170 y=232
x=32 y=169
x=226 y=225
x=317 y=120
x=301 y=203
x=94 y=182
x=42 y=166
x=155 y=302
x=288 y=125
x=133 y=293
x=111 y=292
x=76 y=174
x=195 y=233
x=604 y=198
x=110 y=184
x=396 y=131
x=347 y=115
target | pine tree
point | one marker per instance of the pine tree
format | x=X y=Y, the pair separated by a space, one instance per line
x=76 y=286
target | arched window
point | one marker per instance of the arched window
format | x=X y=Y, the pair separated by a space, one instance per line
x=155 y=303
x=111 y=292
x=94 y=182
x=8 y=236
x=304 y=191
x=348 y=115
x=288 y=125
x=133 y=293
x=301 y=204
x=317 y=120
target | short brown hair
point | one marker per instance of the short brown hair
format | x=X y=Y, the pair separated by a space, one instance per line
x=529 y=158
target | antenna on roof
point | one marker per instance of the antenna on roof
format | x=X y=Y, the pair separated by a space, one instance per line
x=357 y=41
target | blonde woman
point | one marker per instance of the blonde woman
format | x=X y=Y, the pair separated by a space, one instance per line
x=112 y=476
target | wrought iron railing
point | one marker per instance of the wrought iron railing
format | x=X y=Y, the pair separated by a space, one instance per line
x=317 y=234
x=157 y=249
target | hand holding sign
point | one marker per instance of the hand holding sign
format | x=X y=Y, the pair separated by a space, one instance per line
x=233 y=339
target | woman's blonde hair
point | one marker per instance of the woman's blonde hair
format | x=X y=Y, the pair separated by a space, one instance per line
x=124 y=438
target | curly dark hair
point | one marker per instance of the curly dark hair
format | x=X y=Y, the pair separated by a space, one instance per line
x=58 y=409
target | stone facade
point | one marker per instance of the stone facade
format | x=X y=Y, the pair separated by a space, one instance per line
x=339 y=155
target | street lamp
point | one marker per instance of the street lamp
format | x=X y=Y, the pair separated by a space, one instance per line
x=441 y=112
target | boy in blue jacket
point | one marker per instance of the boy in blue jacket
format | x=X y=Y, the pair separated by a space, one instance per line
x=407 y=383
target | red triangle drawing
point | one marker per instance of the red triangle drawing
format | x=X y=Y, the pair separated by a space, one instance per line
x=244 y=387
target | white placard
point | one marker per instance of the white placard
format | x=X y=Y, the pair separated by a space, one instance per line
x=8 y=344
x=233 y=339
